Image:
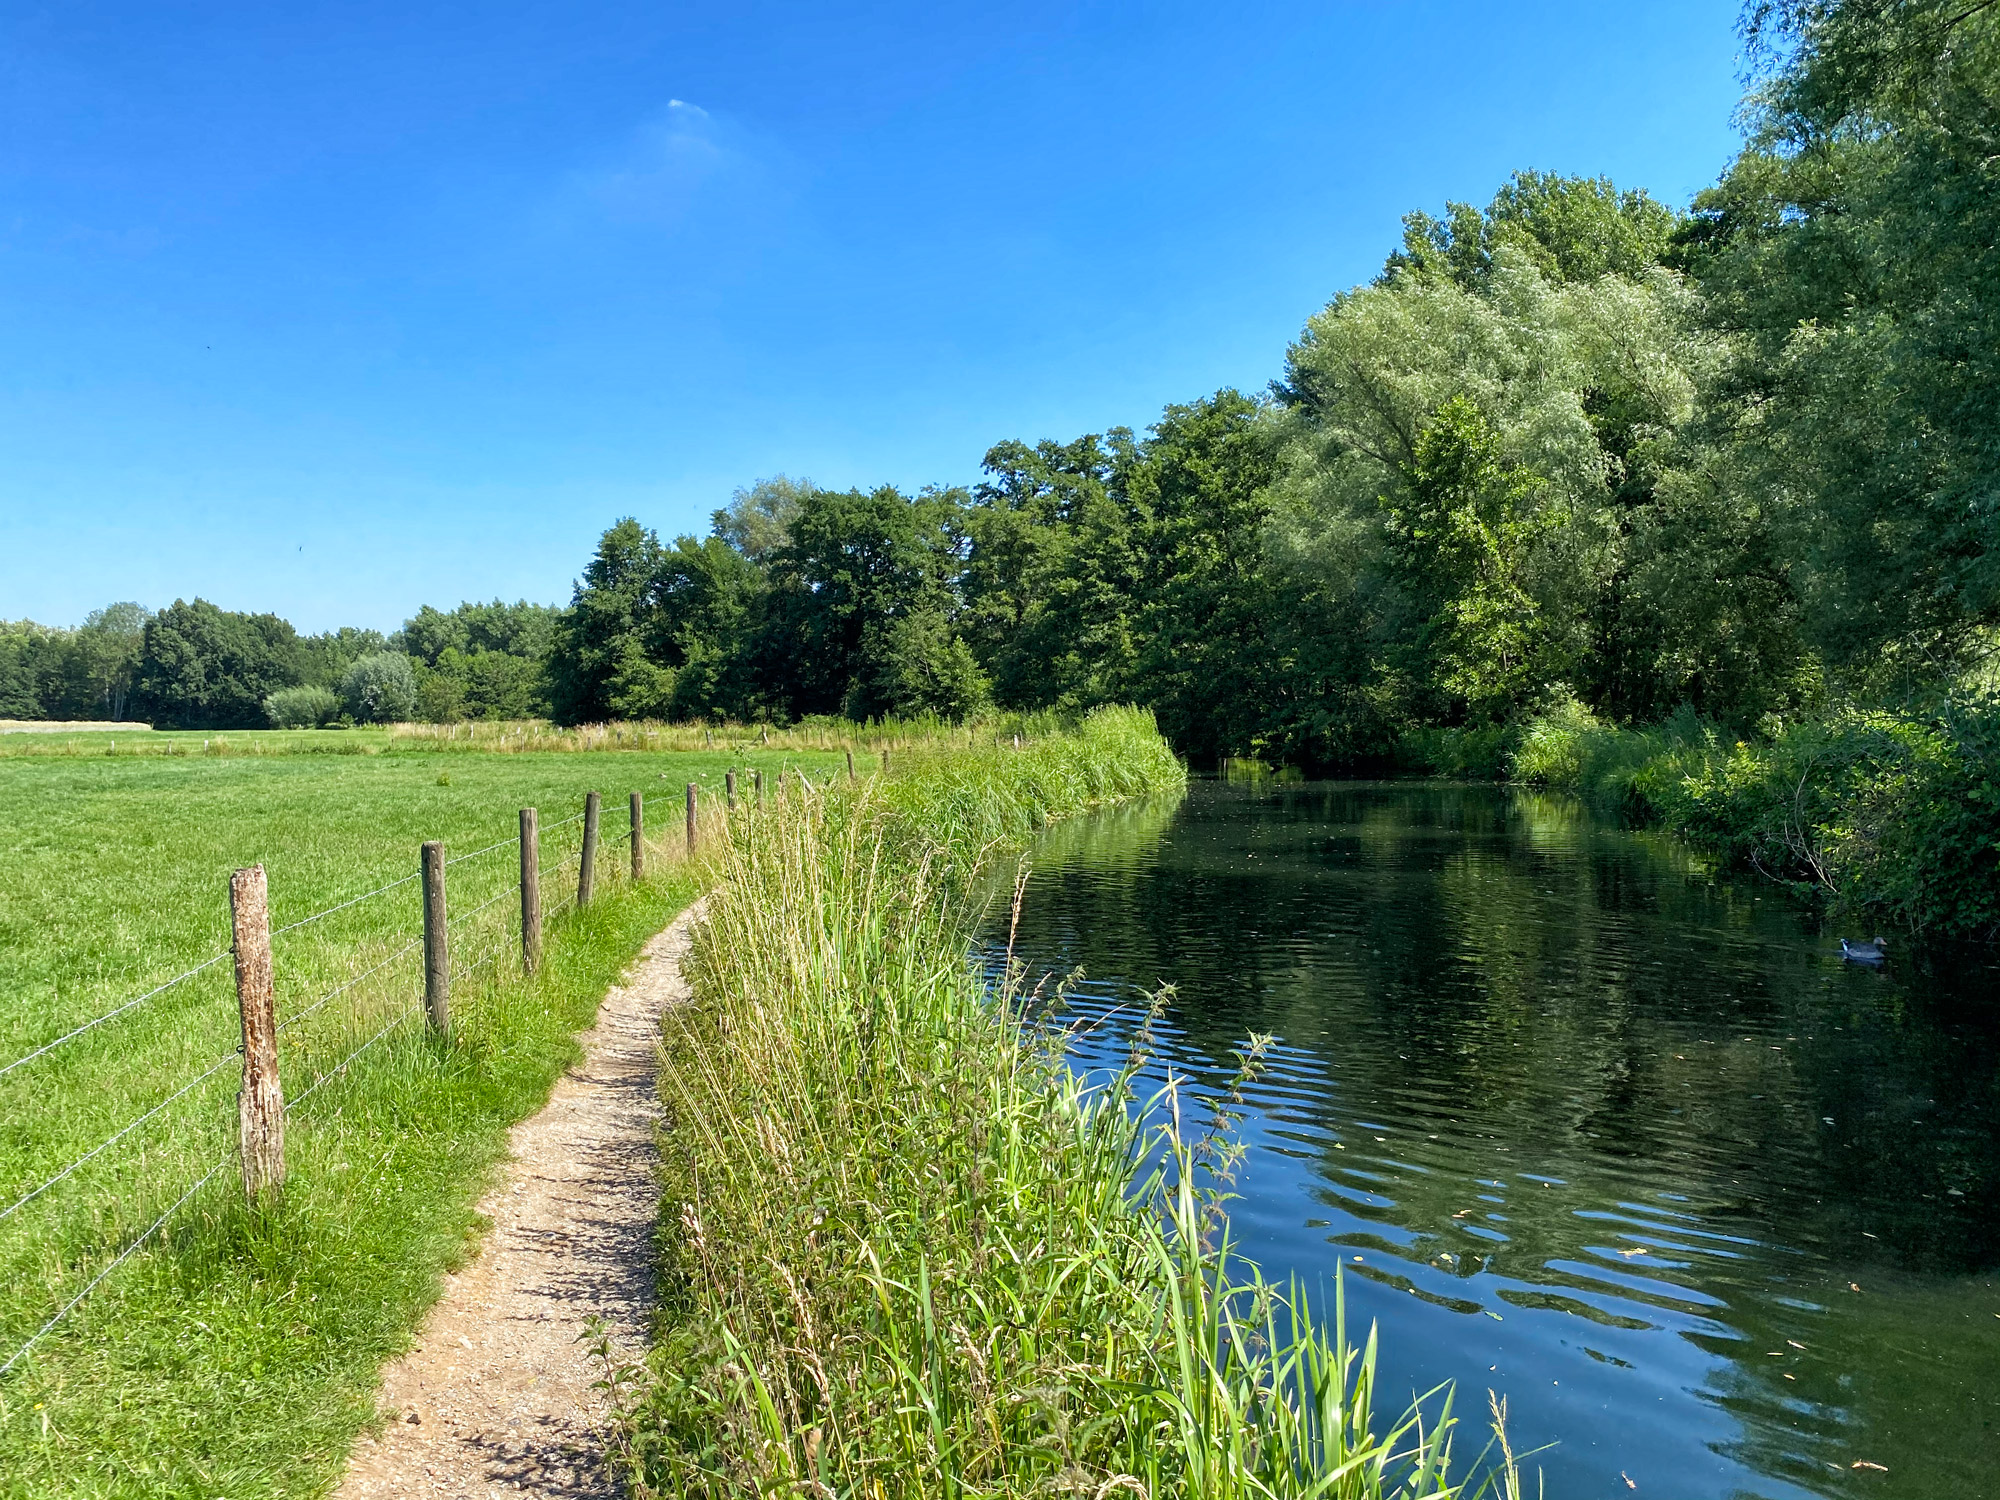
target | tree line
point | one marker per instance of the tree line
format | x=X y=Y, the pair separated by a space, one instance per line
x=195 y=666
x=1574 y=450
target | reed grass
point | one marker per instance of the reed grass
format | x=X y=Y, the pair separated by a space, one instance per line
x=906 y=1251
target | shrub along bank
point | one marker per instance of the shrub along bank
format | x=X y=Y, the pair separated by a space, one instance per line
x=905 y=1251
x=1893 y=813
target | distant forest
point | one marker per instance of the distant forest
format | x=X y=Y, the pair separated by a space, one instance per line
x=1576 y=449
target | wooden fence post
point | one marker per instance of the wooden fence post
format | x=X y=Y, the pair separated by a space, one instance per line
x=260 y=1106
x=757 y=777
x=586 y=867
x=638 y=837
x=437 y=942
x=850 y=768
x=531 y=890
x=691 y=823
x=729 y=788
x=885 y=760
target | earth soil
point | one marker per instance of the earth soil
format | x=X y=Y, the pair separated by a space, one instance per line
x=500 y=1394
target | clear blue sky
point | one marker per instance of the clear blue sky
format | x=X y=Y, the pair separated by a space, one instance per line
x=335 y=310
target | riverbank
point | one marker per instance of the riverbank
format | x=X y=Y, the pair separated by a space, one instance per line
x=904 y=1251
x=1893 y=816
x=1889 y=816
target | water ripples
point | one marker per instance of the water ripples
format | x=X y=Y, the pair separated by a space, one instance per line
x=1716 y=1214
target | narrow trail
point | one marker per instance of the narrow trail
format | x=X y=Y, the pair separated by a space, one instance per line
x=496 y=1398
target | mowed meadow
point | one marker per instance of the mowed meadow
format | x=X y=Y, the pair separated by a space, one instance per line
x=236 y=1351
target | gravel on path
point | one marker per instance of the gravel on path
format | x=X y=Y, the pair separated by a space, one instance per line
x=497 y=1396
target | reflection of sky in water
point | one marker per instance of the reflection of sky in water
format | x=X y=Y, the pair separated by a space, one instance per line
x=1714 y=1212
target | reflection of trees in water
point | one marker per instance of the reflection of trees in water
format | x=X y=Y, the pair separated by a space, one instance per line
x=1547 y=995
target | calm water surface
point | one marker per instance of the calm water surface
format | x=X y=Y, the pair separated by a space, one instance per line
x=1716 y=1214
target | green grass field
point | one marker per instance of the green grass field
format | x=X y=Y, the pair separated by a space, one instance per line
x=235 y=1354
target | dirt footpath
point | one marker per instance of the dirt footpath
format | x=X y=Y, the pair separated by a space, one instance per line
x=496 y=1398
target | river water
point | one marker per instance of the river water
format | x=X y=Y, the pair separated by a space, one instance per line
x=1714 y=1212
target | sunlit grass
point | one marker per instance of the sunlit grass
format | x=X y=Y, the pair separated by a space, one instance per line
x=236 y=1355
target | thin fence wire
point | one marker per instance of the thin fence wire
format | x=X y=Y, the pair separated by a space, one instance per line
x=552 y=871
x=484 y=959
x=467 y=916
x=461 y=858
x=113 y=1014
x=122 y=1257
x=106 y=1144
x=355 y=901
x=340 y=1067
x=335 y=994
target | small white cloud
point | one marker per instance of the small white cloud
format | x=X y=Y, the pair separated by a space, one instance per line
x=662 y=168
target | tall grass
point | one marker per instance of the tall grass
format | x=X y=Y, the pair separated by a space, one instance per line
x=906 y=1252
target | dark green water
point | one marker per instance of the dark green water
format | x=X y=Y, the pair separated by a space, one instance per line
x=1716 y=1213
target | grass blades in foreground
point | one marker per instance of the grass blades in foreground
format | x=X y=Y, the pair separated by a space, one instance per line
x=906 y=1253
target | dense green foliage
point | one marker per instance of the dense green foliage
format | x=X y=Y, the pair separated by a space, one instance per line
x=480 y=661
x=196 y=666
x=71 y=674
x=379 y=688
x=302 y=708
x=1893 y=810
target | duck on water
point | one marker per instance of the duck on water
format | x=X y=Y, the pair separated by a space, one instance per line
x=1854 y=950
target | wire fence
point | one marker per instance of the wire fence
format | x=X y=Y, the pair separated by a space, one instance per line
x=373 y=957
x=114 y=1012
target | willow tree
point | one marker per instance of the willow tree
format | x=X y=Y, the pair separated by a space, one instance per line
x=1543 y=411
x=1852 y=252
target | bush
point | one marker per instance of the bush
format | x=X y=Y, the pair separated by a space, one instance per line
x=302 y=707
x=1894 y=811
x=1481 y=754
x=380 y=689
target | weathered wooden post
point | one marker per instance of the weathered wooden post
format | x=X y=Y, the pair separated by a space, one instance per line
x=757 y=777
x=885 y=760
x=531 y=890
x=260 y=1106
x=691 y=825
x=850 y=768
x=586 y=868
x=437 y=942
x=638 y=837
x=729 y=788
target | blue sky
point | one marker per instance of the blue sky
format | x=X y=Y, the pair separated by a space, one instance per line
x=338 y=310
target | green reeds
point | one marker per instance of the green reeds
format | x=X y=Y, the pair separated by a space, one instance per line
x=906 y=1251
